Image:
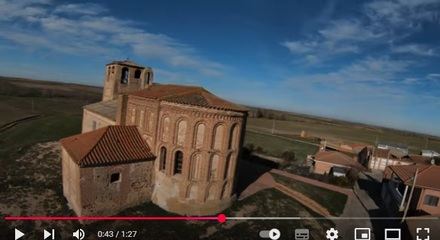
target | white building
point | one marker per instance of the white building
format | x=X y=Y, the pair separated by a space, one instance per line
x=430 y=153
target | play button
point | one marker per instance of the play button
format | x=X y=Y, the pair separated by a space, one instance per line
x=18 y=234
x=274 y=234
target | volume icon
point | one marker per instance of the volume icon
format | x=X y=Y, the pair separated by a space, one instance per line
x=79 y=234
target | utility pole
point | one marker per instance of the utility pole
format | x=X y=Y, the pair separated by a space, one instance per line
x=410 y=196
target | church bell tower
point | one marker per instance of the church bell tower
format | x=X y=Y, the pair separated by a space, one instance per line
x=123 y=77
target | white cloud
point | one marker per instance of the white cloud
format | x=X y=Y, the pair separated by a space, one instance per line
x=338 y=37
x=403 y=13
x=86 y=29
x=415 y=49
x=379 y=23
x=411 y=80
x=366 y=71
x=80 y=8
x=300 y=47
x=27 y=9
x=433 y=76
x=349 y=30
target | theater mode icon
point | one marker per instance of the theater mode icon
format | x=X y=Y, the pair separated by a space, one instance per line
x=393 y=234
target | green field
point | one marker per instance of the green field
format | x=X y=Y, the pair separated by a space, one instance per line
x=346 y=132
x=59 y=117
x=275 y=145
x=333 y=201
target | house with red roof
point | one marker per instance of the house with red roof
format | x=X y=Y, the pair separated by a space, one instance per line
x=400 y=179
x=334 y=163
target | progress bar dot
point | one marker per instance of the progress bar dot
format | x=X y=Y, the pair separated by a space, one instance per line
x=221 y=218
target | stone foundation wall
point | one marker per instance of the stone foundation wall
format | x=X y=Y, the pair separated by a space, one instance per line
x=71 y=182
x=100 y=196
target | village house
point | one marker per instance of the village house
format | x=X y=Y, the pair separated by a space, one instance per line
x=338 y=159
x=382 y=158
x=335 y=163
x=396 y=187
x=177 y=146
x=396 y=146
x=430 y=153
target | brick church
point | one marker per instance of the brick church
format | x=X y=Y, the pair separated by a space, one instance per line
x=174 y=145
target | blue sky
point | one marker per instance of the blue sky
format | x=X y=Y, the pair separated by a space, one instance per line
x=368 y=61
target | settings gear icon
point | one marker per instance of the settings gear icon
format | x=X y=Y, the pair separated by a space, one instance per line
x=332 y=234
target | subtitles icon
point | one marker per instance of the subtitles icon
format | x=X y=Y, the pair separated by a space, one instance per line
x=302 y=234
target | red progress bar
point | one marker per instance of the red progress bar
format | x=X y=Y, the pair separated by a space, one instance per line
x=220 y=218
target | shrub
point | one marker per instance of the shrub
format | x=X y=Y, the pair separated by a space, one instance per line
x=288 y=156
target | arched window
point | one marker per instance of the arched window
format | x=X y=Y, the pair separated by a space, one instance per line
x=181 y=132
x=211 y=193
x=141 y=119
x=195 y=167
x=162 y=159
x=213 y=166
x=219 y=133
x=233 y=135
x=178 y=162
x=137 y=73
x=147 y=80
x=124 y=75
x=200 y=135
x=191 y=192
x=225 y=190
x=133 y=115
x=165 y=129
x=150 y=122
x=227 y=167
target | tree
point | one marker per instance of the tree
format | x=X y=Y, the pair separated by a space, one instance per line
x=288 y=155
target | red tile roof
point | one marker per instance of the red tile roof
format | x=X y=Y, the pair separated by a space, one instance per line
x=390 y=154
x=338 y=158
x=419 y=159
x=191 y=95
x=108 y=146
x=428 y=177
